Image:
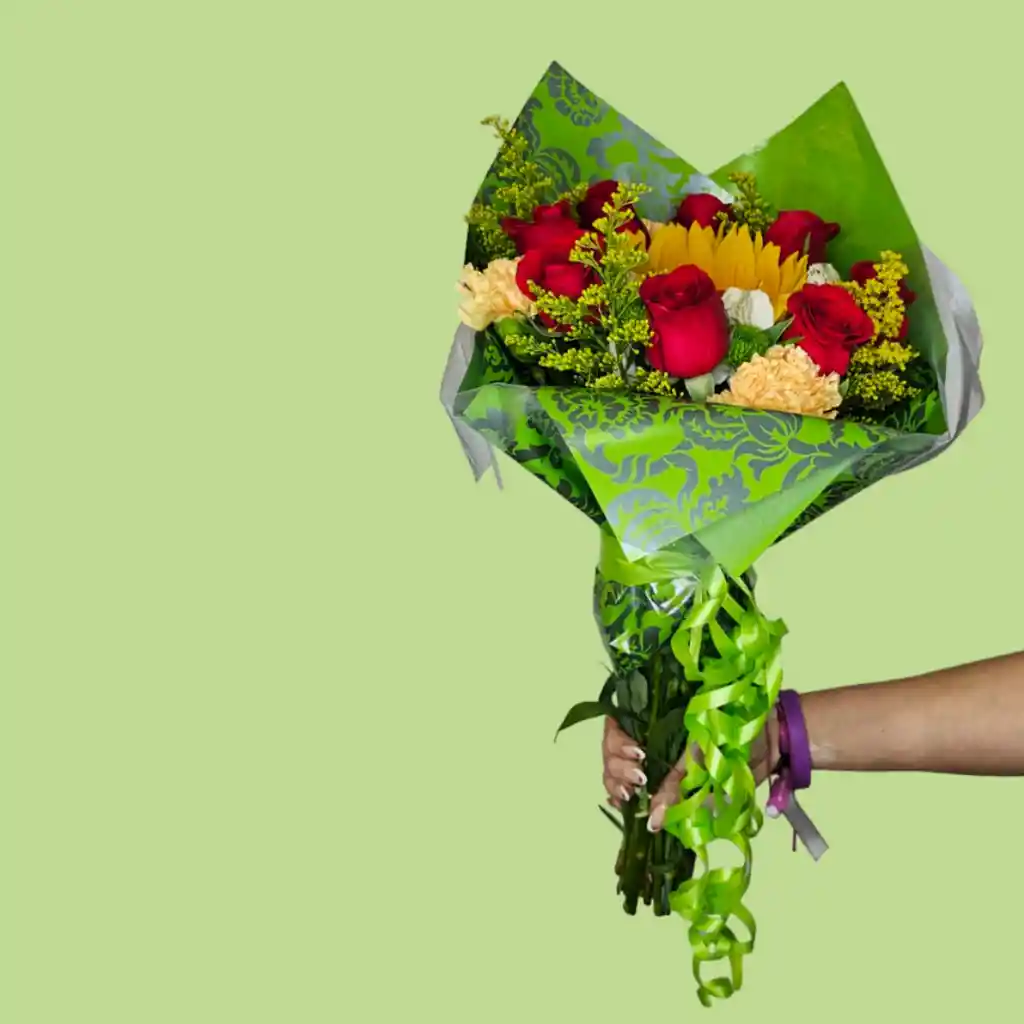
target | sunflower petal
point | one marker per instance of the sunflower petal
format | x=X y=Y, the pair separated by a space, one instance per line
x=702 y=248
x=745 y=274
x=668 y=249
x=789 y=274
x=725 y=261
x=768 y=273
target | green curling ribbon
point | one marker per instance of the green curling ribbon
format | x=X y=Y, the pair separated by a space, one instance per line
x=738 y=690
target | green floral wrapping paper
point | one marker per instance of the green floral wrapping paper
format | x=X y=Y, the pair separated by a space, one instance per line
x=688 y=496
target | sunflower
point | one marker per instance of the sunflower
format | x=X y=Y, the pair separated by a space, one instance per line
x=732 y=259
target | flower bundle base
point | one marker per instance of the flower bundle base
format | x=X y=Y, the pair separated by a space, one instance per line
x=697 y=670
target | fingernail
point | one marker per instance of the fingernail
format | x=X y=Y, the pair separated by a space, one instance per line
x=638 y=777
x=636 y=753
x=656 y=818
x=624 y=793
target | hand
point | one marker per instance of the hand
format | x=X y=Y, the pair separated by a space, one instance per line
x=623 y=772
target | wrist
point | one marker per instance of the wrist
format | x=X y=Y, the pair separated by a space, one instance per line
x=822 y=757
x=772 y=738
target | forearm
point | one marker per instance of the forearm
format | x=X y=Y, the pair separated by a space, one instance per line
x=967 y=720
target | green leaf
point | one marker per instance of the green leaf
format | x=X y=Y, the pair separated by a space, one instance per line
x=622 y=692
x=776 y=331
x=510 y=326
x=747 y=341
x=665 y=730
x=611 y=817
x=700 y=389
x=585 y=711
x=637 y=692
x=935 y=418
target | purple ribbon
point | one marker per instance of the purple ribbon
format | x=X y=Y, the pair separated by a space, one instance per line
x=794 y=774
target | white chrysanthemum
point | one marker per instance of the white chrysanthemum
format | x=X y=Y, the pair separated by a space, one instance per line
x=491 y=294
x=751 y=307
x=822 y=273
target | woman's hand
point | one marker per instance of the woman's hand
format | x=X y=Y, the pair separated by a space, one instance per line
x=623 y=772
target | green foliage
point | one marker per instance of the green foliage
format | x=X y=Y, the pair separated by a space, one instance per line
x=750 y=207
x=916 y=415
x=588 y=710
x=747 y=341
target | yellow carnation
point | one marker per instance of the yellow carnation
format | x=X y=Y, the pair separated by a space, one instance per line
x=491 y=294
x=784 y=379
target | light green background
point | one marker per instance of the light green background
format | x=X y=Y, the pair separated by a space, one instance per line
x=279 y=681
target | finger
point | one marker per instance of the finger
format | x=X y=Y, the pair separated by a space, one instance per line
x=617 y=791
x=618 y=743
x=625 y=771
x=667 y=795
x=761 y=770
x=668 y=791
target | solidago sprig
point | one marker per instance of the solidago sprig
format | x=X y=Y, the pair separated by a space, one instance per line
x=750 y=207
x=877 y=378
x=880 y=296
x=653 y=382
x=522 y=185
x=607 y=327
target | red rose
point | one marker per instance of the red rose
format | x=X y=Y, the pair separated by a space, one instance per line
x=552 y=227
x=691 y=330
x=829 y=324
x=700 y=208
x=795 y=229
x=551 y=270
x=865 y=271
x=591 y=207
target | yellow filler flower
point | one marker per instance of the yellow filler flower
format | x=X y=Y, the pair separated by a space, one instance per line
x=732 y=259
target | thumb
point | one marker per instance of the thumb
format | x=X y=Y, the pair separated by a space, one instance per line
x=667 y=795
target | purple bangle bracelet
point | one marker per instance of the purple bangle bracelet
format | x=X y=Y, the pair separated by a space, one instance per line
x=793 y=741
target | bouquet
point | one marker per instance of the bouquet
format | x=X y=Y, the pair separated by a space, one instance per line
x=701 y=365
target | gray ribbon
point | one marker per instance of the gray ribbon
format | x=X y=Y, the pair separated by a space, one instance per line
x=804 y=829
x=477 y=448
